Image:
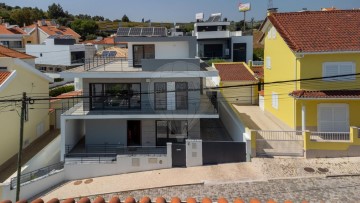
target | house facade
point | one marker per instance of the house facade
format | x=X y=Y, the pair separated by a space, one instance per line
x=12 y=36
x=313 y=57
x=59 y=53
x=215 y=40
x=18 y=75
x=152 y=97
x=38 y=32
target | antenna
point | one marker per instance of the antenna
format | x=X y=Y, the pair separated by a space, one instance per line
x=270 y=4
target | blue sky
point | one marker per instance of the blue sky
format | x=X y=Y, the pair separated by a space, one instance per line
x=180 y=10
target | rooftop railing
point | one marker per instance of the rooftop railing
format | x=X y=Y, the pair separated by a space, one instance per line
x=100 y=61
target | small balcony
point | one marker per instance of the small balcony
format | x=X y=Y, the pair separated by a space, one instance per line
x=212 y=34
x=206 y=107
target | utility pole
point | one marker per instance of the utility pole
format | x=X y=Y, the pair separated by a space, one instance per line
x=22 y=120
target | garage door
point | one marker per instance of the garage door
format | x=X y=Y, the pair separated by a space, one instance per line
x=333 y=118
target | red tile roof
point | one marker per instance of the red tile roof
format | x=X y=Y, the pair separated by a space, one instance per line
x=12 y=30
x=319 y=31
x=7 y=52
x=3 y=76
x=116 y=199
x=53 y=30
x=258 y=71
x=234 y=72
x=326 y=94
x=67 y=95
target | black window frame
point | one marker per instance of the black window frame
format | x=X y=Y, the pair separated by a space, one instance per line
x=172 y=140
x=177 y=107
x=104 y=95
x=143 y=52
x=155 y=93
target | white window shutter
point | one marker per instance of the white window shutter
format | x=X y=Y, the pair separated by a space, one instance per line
x=268 y=62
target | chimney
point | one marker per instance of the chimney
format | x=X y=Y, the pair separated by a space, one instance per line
x=271 y=11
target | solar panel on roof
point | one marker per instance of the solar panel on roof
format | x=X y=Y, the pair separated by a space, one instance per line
x=105 y=53
x=112 y=53
x=135 y=31
x=211 y=18
x=216 y=19
x=147 y=31
x=159 y=31
x=123 y=31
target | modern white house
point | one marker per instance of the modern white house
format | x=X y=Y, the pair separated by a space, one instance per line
x=153 y=97
x=59 y=53
x=215 y=40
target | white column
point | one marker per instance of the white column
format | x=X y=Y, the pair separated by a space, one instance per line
x=303 y=117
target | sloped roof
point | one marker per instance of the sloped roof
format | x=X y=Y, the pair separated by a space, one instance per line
x=234 y=72
x=7 y=52
x=3 y=76
x=53 y=30
x=319 y=31
x=326 y=94
x=258 y=71
x=12 y=30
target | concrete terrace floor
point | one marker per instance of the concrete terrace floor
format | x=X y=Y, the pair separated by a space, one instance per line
x=278 y=178
x=10 y=166
x=254 y=118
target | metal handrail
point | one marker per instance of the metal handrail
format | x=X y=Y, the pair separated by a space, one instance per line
x=26 y=177
x=330 y=136
x=99 y=61
x=94 y=150
x=279 y=135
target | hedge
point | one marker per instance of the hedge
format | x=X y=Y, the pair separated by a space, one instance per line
x=60 y=90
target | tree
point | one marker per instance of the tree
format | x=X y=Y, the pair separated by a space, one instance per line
x=84 y=27
x=125 y=19
x=98 y=18
x=55 y=11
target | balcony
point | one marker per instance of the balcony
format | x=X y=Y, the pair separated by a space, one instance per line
x=205 y=107
x=212 y=34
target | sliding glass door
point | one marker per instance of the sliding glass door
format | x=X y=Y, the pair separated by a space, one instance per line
x=142 y=52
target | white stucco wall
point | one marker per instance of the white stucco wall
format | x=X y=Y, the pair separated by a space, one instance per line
x=194 y=155
x=231 y=122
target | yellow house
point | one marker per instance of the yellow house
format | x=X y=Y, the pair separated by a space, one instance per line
x=18 y=75
x=311 y=49
x=244 y=80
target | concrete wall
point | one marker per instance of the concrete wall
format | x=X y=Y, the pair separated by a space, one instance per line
x=38 y=123
x=106 y=131
x=249 y=45
x=170 y=64
x=32 y=188
x=72 y=130
x=231 y=121
x=239 y=95
x=53 y=55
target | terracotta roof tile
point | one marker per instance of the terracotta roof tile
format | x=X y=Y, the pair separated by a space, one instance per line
x=326 y=94
x=12 y=30
x=3 y=76
x=234 y=72
x=173 y=200
x=319 y=31
x=53 y=30
x=106 y=40
x=7 y=52
x=258 y=71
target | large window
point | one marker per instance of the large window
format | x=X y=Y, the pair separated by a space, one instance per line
x=171 y=95
x=175 y=131
x=115 y=96
x=142 y=52
x=333 y=118
x=160 y=96
x=181 y=94
x=339 y=68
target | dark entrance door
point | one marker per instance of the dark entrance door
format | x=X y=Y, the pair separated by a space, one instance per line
x=223 y=152
x=178 y=155
x=239 y=52
x=134 y=133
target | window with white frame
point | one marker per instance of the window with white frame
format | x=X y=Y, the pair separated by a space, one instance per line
x=333 y=117
x=268 y=62
x=339 y=68
x=275 y=100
